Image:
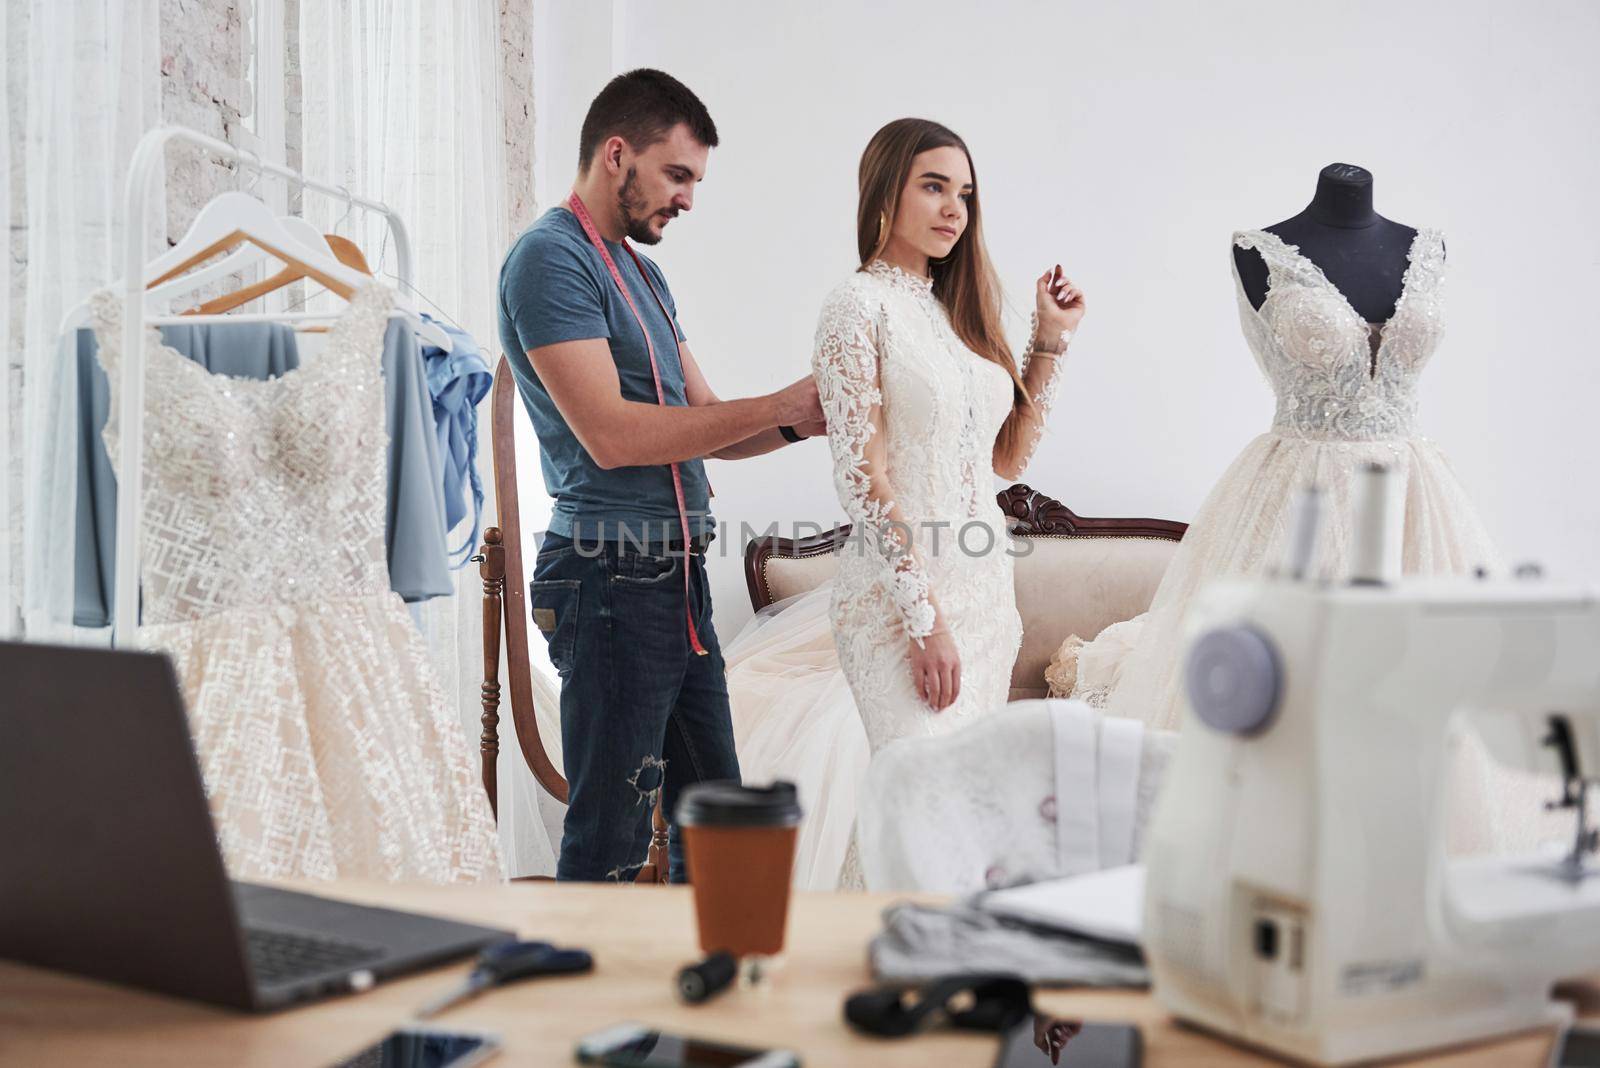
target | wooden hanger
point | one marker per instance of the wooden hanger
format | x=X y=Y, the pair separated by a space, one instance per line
x=237 y=221
x=350 y=254
x=347 y=252
x=235 y=218
x=290 y=274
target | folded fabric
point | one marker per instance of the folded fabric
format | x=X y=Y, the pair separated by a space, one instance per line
x=920 y=943
x=414 y=526
x=1108 y=905
x=1039 y=789
x=458 y=381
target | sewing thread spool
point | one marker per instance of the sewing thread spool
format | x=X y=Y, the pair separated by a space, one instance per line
x=1303 y=534
x=703 y=981
x=1372 y=551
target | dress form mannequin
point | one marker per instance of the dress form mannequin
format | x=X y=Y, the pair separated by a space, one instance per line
x=1361 y=253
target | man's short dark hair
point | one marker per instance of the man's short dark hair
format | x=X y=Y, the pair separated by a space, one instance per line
x=641 y=107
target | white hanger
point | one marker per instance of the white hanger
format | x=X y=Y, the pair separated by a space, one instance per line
x=246 y=255
x=240 y=259
x=308 y=234
x=226 y=218
x=220 y=221
x=433 y=334
x=232 y=212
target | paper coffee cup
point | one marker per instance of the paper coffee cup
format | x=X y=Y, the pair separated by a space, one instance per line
x=739 y=842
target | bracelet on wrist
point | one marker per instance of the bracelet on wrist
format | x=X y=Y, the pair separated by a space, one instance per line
x=790 y=433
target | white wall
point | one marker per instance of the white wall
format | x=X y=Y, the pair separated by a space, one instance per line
x=1127 y=146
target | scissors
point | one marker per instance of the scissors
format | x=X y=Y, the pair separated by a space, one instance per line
x=510 y=962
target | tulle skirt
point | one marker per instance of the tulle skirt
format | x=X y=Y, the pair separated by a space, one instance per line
x=1134 y=668
x=794 y=718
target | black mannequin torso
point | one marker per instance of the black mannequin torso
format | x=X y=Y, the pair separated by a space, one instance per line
x=1362 y=254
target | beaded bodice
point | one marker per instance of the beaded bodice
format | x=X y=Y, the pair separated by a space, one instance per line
x=259 y=493
x=1335 y=375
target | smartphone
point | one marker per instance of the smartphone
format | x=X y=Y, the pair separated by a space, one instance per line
x=635 y=1046
x=1580 y=1048
x=1043 y=1041
x=424 y=1047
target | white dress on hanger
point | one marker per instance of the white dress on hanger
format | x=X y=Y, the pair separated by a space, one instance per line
x=886 y=357
x=326 y=744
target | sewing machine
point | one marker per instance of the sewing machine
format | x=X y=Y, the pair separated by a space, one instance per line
x=1299 y=893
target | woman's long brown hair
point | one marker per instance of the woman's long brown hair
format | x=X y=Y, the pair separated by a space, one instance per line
x=965 y=282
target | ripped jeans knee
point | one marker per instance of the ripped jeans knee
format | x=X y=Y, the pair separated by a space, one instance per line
x=646 y=782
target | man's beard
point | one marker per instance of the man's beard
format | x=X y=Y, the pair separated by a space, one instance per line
x=636 y=215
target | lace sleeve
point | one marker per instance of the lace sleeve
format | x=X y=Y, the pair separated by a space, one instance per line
x=845 y=364
x=1044 y=397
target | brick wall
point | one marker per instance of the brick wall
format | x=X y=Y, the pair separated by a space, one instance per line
x=516 y=95
x=203 y=86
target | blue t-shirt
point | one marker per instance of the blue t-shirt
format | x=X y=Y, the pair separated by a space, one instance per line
x=554 y=287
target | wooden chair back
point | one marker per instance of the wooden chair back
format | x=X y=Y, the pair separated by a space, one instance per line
x=505 y=613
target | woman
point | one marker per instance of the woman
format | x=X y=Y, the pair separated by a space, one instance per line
x=923 y=403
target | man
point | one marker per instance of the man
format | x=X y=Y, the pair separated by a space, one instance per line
x=620 y=597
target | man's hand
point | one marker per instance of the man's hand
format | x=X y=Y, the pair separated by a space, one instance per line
x=813 y=428
x=799 y=403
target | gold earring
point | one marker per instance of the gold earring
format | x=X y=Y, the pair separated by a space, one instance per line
x=883 y=224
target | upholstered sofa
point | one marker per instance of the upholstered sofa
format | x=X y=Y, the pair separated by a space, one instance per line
x=1080 y=575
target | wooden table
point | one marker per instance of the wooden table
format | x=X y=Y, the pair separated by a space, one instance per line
x=639 y=936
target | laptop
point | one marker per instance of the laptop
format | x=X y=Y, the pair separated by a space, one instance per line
x=109 y=864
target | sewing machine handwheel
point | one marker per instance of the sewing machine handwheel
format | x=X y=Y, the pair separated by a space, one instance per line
x=1234 y=679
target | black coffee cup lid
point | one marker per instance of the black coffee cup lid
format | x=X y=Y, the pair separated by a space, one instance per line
x=731 y=804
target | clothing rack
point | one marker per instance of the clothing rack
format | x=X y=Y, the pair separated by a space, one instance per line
x=149 y=158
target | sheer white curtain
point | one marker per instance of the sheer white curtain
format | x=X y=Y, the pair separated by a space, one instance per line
x=10 y=515
x=93 y=87
x=402 y=101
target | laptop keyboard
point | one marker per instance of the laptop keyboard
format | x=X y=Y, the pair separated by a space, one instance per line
x=277 y=956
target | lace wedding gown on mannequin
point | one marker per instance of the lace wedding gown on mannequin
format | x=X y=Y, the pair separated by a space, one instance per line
x=1346 y=396
x=886 y=356
x=326 y=744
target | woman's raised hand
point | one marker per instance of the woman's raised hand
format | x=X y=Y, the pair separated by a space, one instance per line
x=1059 y=306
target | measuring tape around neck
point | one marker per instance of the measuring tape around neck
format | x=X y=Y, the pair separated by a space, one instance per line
x=582 y=213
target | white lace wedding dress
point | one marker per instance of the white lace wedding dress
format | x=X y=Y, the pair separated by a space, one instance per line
x=886 y=361
x=1346 y=395
x=325 y=741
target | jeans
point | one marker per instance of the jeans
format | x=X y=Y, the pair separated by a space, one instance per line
x=641 y=714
